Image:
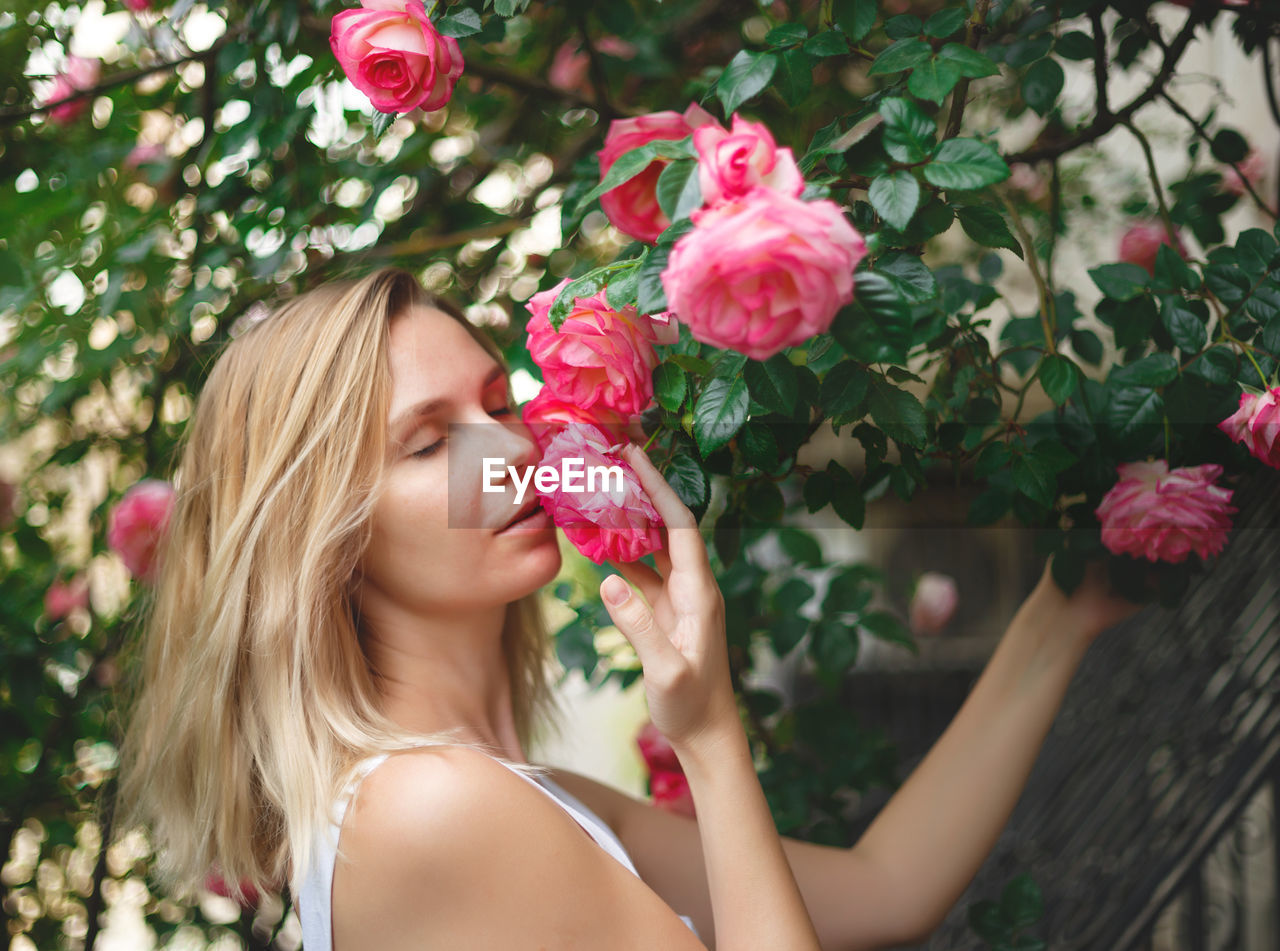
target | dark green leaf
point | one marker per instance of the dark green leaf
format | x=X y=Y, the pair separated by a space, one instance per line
x=895 y=196
x=987 y=226
x=795 y=76
x=772 y=383
x=1121 y=281
x=1156 y=369
x=747 y=74
x=1058 y=376
x=1074 y=46
x=908 y=132
x=985 y=919
x=1034 y=479
x=970 y=62
x=1021 y=901
x=1042 y=85
x=829 y=43
x=1229 y=146
x=945 y=22
x=843 y=390
x=1188 y=333
x=855 y=17
x=887 y=627
x=934 y=79
x=910 y=276
x=669 y=386
x=758 y=445
x=689 y=480
x=904 y=54
x=719 y=413
x=463 y=23
x=671 y=184
x=963 y=164
x=898 y=413
x=786 y=34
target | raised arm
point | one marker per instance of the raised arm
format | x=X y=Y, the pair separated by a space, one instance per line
x=680 y=638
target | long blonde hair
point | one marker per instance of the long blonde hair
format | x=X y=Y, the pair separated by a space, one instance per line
x=250 y=698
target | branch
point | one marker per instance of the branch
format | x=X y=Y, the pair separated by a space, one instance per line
x=977 y=28
x=1102 y=124
x=1204 y=134
x=1046 y=299
x=1155 y=182
x=1100 y=62
x=13 y=116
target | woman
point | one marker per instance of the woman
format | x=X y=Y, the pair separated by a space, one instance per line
x=344 y=639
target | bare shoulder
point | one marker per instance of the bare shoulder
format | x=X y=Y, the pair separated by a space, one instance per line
x=446 y=847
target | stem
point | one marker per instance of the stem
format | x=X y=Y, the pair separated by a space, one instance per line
x=1155 y=181
x=973 y=33
x=652 y=437
x=1033 y=263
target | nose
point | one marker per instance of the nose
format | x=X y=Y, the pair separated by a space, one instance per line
x=513 y=442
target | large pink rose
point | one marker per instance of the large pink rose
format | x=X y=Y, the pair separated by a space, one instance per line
x=633 y=205
x=620 y=525
x=730 y=164
x=138 y=523
x=63 y=597
x=1256 y=423
x=763 y=273
x=1141 y=241
x=392 y=52
x=78 y=72
x=599 y=356
x=933 y=604
x=1161 y=515
x=547 y=414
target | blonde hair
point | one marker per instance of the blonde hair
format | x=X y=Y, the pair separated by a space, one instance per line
x=250 y=699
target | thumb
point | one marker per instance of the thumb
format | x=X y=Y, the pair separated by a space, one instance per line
x=634 y=619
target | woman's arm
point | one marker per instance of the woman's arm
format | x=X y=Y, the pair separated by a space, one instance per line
x=680 y=638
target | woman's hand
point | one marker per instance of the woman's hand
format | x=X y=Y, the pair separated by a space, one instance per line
x=1090 y=609
x=679 y=635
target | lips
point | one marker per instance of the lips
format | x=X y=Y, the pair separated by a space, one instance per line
x=527 y=510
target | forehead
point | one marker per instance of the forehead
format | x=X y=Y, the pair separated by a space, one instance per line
x=433 y=356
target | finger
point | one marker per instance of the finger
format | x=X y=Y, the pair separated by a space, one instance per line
x=643 y=577
x=684 y=540
x=658 y=656
x=662 y=561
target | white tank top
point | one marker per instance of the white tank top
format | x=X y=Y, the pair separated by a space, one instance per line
x=313 y=902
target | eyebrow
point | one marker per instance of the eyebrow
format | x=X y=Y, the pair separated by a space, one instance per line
x=426 y=407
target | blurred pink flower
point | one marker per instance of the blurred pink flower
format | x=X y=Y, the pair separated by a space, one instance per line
x=1161 y=515
x=77 y=73
x=63 y=597
x=144 y=152
x=1256 y=423
x=671 y=792
x=137 y=6
x=1141 y=241
x=571 y=63
x=656 y=749
x=137 y=525
x=1253 y=167
x=608 y=522
x=933 y=604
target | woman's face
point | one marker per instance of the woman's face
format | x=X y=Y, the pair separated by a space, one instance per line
x=436 y=544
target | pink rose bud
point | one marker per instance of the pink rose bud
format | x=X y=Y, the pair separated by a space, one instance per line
x=1140 y=243
x=547 y=414
x=1161 y=515
x=138 y=523
x=1256 y=423
x=609 y=522
x=392 y=52
x=933 y=604
x=633 y=206
x=671 y=792
x=599 y=356
x=656 y=750
x=763 y=273
x=730 y=164
x=63 y=597
x=78 y=73
x=1253 y=167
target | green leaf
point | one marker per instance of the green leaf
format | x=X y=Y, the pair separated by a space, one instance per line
x=1156 y=369
x=786 y=34
x=1186 y=329
x=904 y=54
x=772 y=383
x=669 y=386
x=795 y=76
x=1217 y=366
x=970 y=62
x=747 y=74
x=1121 y=281
x=877 y=326
x=985 y=919
x=720 y=411
x=910 y=276
x=1042 y=85
x=895 y=196
x=677 y=190
x=651 y=296
x=855 y=17
x=759 y=446
x=987 y=226
x=509 y=8
x=688 y=361
x=1229 y=146
x=963 y=164
x=622 y=287
x=1021 y=901
x=1135 y=414
x=886 y=627
x=898 y=413
x=381 y=123
x=632 y=162
x=843 y=390
x=463 y=23
x=1058 y=376
x=829 y=43
x=945 y=22
x=1034 y=479
x=1172 y=272
x=1074 y=46
x=689 y=480
x=908 y=132
x=933 y=79
x=834 y=647
x=576 y=647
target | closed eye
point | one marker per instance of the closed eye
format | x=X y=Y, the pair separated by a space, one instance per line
x=435 y=446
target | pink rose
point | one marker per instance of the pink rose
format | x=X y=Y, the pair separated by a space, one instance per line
x=138 y=523
x=137 y=6
x=599 y=356
x=248 y=898
x=63 y=597
x=569 y=67
x=1253 y=167
x=392 y=52
x=933 y=604
x=763 y=273
x=1256 y=423
x=617 y=524
x=547 y=414
x=78 y=73
x=656 y=749
x=633 y=205
x=1160 y=515
x=730 y=164
x=1139 y=244
x=671 y=792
